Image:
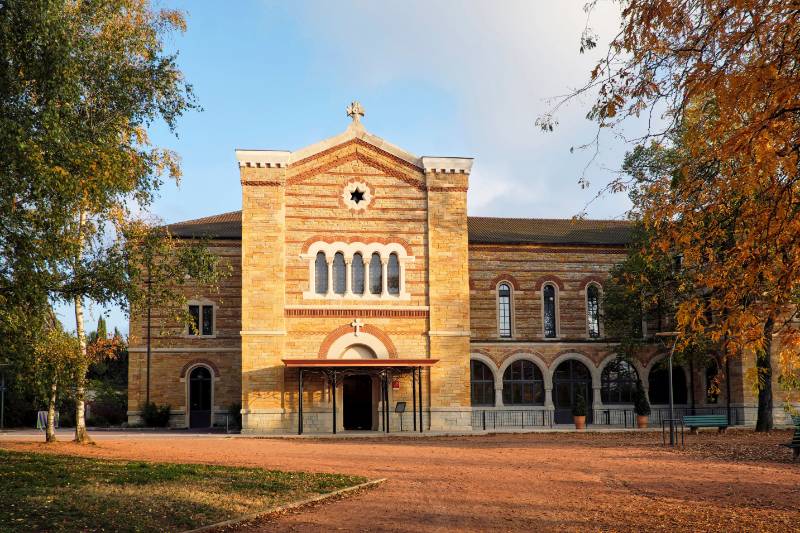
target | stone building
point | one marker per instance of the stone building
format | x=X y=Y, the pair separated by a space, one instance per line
x=356 y=266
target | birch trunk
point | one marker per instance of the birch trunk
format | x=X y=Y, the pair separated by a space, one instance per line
x=81 y=436
x=50 y=435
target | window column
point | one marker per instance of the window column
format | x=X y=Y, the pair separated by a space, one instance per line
x=329 y=261
x=348 y=280
x=384 y=277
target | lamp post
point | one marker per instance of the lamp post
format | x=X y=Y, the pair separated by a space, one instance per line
x=672 y=428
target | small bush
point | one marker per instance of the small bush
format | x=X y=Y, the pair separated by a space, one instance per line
x=109 y=407
x=579 y=409
x=155 y=416
x=640 y=404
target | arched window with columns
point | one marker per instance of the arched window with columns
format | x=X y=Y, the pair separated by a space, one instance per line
x=358 y=274
x=481 y=382
x=375 y=274
x=321 y=274
x=393 y=274
x=523 y=384
x=339 y=273
x=504 y=310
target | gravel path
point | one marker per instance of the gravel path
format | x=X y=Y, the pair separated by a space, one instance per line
x=543 y=482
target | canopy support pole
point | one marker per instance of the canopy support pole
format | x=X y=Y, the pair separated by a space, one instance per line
x=300 y=402
x=334 y=402
x=420 y=398
x=414 y=398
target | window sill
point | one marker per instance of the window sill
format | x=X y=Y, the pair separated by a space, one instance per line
x=187 y=336
x=357 y=297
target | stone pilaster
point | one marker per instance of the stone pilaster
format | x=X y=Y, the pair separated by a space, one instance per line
x=263 y=332
x=448 y=292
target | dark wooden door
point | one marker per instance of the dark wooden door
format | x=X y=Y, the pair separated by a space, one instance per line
x=571 y=379
x=357 y=396
x=200 y=398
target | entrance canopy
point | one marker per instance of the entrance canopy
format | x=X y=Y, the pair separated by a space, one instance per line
x=334 y=369
x=359 y=363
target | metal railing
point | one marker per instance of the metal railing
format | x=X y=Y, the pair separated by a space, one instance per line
x=511 y=418
x=626 y=417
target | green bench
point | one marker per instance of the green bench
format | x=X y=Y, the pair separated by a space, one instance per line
x=795 y=444
x=706 y=421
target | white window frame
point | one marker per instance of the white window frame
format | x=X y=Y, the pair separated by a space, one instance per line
x=348 y=250
x=202 y=302
x=511 y=313
x=600 y=331
x=556 y=310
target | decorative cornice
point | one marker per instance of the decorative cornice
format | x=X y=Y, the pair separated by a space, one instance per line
x=451 y=165
x=251 y=183
x=348 y=158
x=263 y=158
x=355 y=312
x=447 y=189
x=263 y=333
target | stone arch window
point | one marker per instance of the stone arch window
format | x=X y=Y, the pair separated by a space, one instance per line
x=658 y=387
x=393 y=274
x=321 y=274
x=593 y=311
x=550 y=310
x=618 y=382
x=339 y=273
x=481 y=382
x=357 y=270
x=523 y=384
x=358 y=273
x=375 y=274
x=504 y=310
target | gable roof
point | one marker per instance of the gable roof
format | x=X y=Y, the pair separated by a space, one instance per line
x=482 y=230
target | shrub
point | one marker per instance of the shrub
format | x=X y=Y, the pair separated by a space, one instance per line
x=640 y=404
x=579 y=409
x=110 y=406
x=156 y=416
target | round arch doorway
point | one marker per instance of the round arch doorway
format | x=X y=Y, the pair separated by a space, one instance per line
x=200 y=391
x=358 y=392
x=570 y=380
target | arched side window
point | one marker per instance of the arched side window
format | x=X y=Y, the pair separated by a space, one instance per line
x=658 y=387
x=375 y=274
x=481 y=383
x=321 y=274
x=618 y=382
x=393 y=275
x=550 y=313
x=523 y=384
x=593 y=311
x=504 y=310
x=358 y=274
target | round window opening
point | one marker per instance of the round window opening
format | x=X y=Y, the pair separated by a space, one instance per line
x=357 y=195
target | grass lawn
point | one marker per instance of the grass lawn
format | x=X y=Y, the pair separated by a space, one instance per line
x=60 y=492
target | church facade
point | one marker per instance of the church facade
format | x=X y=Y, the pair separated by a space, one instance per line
x=353 y=254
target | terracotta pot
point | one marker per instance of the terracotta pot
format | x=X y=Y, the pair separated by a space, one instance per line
x=580 y=422
x=642 y=421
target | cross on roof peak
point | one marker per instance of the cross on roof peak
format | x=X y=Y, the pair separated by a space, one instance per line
x=355 y=111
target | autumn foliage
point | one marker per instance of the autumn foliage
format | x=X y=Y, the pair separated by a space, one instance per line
x=718 y=82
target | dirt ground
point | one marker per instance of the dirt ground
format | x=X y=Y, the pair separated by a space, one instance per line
x=739 y=481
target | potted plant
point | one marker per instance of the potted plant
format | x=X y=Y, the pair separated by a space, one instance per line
x=641 y=406
x=579 y=412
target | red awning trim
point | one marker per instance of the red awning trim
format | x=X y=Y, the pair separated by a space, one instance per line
x=350 y=363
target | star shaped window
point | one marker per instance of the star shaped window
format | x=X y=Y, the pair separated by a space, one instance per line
x=357 y=196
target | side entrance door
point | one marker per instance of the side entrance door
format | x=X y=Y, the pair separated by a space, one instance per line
x=200 y=398
x=570 y=380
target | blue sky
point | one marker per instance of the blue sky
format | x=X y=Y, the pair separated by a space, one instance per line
x=447 y=78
